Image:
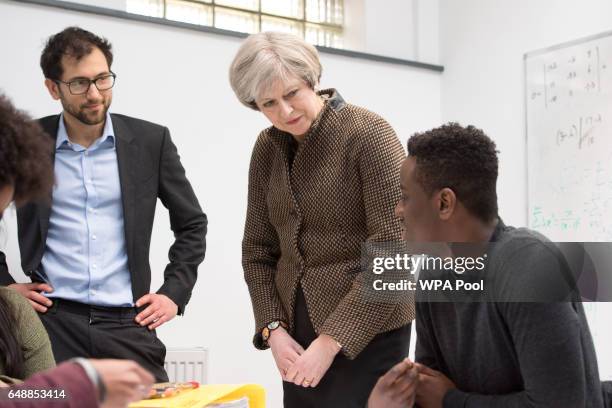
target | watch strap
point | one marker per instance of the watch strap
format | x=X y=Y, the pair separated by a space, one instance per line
x=266 y=331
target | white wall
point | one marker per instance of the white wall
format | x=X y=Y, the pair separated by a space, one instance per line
x=482 y=43
x=427 y=31
x=178 y=78
x=406 y=29
x=390 y=27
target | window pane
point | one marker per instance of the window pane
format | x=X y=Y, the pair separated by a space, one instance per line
x=280 y=24
x=244 y=4
x=152 y=8
x=189 y=12
x=325 y=11
x=244 y=22
x=325 y=36
x=288 y=8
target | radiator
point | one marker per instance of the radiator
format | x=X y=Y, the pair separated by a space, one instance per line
x=187 y=365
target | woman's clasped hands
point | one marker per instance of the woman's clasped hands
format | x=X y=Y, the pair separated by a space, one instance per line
x=302 y=367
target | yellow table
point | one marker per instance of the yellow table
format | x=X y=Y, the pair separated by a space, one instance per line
x=208 y=394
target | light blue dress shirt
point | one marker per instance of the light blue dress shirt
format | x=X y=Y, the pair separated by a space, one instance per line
x=85 y=257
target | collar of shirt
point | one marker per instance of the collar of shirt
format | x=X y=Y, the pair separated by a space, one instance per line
x=107 y=140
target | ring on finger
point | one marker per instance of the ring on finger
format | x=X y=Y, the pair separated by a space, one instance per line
x=307 y=382
x=155 y=320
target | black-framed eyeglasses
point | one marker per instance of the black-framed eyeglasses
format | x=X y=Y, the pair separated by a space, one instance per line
x=81 y=86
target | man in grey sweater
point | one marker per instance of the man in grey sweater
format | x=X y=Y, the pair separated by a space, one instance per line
x=531 y=346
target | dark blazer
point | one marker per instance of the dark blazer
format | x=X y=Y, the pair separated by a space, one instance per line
x=149 y=168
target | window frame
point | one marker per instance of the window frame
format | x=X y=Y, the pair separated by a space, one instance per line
x=303 y=22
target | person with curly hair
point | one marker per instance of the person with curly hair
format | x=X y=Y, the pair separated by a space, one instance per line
x=527 y=344
x=26 y=173
x=87 y=248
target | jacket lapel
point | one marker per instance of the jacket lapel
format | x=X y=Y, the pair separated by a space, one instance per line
x=127 y=154
x=50 y=125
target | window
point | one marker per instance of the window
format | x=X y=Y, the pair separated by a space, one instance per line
x=317 y=21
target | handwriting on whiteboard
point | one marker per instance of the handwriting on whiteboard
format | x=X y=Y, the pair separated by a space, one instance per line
x=582 y=131
x=596 y=204
x=564 y=79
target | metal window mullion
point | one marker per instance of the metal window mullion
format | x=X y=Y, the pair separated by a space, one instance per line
x=327 y=4
x=259 y=13
x=304 y=18
x=332 y=10
x=214 y=14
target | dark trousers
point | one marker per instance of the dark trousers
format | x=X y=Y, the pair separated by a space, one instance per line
x=80 y=330
x=347 y=383
x=607 y=393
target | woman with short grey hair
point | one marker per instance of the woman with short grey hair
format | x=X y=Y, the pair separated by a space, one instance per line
x=323 y=180
x=269 y=56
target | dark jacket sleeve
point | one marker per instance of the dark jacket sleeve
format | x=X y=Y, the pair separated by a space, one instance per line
x=188 y=223
x=260 y=246
x=68 y=377
x=5 y=277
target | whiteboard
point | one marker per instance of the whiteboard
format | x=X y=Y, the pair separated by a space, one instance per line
x=569 y=140
x=568 y=92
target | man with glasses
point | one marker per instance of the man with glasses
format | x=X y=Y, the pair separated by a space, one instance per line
x=87 y=249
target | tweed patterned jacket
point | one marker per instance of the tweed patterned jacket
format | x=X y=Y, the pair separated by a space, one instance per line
x=306 y=223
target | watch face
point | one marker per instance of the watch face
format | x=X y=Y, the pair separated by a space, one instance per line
x=265 y=333
x=273 y=325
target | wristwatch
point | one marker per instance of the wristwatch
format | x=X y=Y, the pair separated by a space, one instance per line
x=270 y=327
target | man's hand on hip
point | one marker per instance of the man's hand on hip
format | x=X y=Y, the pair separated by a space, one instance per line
x=31 y=291
x=161 y=309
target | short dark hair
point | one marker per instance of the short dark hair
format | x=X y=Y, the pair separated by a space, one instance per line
x=73 y=42
x=463 y=159
x=25 y=154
